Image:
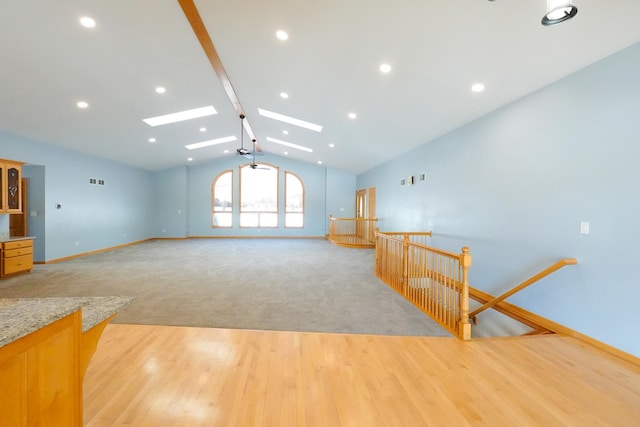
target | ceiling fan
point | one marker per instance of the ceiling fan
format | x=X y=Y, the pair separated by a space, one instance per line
x=242 y=151
x=253 y=164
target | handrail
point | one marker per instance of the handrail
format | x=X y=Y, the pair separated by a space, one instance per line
x=435 y=280
x=352 y=232
x=544 y=273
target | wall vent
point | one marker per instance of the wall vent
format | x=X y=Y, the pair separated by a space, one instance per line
x=422 y=176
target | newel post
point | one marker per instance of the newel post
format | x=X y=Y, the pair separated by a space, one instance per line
x=464 y=332
x=405 y=264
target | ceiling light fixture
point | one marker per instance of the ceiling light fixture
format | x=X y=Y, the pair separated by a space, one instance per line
x=190 y=159
x=181 y=116
x=286 y=132
x=152 y=140
x=211 y=142
x=203 y=129
x=290 y=120
x=82 y=104
x=558 y=11
x=282 y=35
x=284 y=95
x=332 y=145
x=160 y=89
x=289 y=144
x=352 y=116
x=477 y=87
x=385 y=68
x=319 y=162
x=87 y=22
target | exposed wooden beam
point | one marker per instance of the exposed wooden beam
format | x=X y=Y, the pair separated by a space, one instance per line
x=193 y=16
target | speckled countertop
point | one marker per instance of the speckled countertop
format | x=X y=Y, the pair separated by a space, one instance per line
x=21 y=316
x=5 y=238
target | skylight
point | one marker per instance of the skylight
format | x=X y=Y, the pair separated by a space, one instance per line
x=181 y=116
x=290 y=120
x=289 y=144
x=211 y=142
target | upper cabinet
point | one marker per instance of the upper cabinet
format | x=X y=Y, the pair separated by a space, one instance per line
x=11 y=186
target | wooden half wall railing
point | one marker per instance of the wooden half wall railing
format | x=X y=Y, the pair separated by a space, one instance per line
x=353 y=232
x=434 y=280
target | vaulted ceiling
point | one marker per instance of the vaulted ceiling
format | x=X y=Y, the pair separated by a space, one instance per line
x=329 y=67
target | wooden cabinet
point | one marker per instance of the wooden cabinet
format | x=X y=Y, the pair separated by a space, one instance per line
x=17 y=257
x=40 y=377
x=11 y=186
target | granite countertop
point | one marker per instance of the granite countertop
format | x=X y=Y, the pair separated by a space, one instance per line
x=5 y=238
x=21 y=316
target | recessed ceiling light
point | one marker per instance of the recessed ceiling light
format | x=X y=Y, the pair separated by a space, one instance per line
x=160 y=89
x=87 y=22
x=225 y=151
x=211 y=142
x=289 y=144
x=286 y=153
x=82 y=104
x=181 y=116
x=203 y=129
x=385 y=68
x=282 y=35
x=319 y=162
x=190 y=159
x=290 y=120
x=284 y=95
x=332 y=145
x=286 y=132
x=152 y=140
x=477 y=87
x=352 y=115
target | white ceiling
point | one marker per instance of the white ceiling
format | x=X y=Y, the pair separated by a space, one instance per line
x=329 y=67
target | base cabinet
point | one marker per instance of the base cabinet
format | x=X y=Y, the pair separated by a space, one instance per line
x=17 y=257
x=41 y=378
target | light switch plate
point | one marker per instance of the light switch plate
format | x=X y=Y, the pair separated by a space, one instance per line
x=584 y=227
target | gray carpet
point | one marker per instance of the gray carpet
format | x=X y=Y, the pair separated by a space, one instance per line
x=269 y=284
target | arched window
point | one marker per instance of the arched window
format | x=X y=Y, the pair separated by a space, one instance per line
x=294 y=201
x=259 y=196
x=222 y=200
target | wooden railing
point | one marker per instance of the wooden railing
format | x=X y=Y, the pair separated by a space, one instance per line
x=495 y=301
x=434 y=280
x=353 y=232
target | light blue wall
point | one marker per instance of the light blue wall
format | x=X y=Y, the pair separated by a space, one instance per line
x=92 y=217
x=36 y=208
x=515 y=184
x=324 y=188
x=172 y=202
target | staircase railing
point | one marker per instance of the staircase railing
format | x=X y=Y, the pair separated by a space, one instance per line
x=353 y=232
x=434 y=280
x=536 y=277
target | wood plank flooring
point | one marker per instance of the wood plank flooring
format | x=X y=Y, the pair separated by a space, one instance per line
x=178 y=376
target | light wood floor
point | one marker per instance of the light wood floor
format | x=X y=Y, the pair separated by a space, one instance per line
x=177 y=376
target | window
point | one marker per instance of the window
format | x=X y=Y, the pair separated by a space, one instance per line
x=258 y=196
x=222 y=200
x=294 y=201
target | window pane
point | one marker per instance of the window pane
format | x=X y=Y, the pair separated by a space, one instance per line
x=222 y=219
x=223 y=193
x=294 y=193
x=259 y=192
x=248 y=219
x=268 y=219
x=293 y=220
x=222 y=200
